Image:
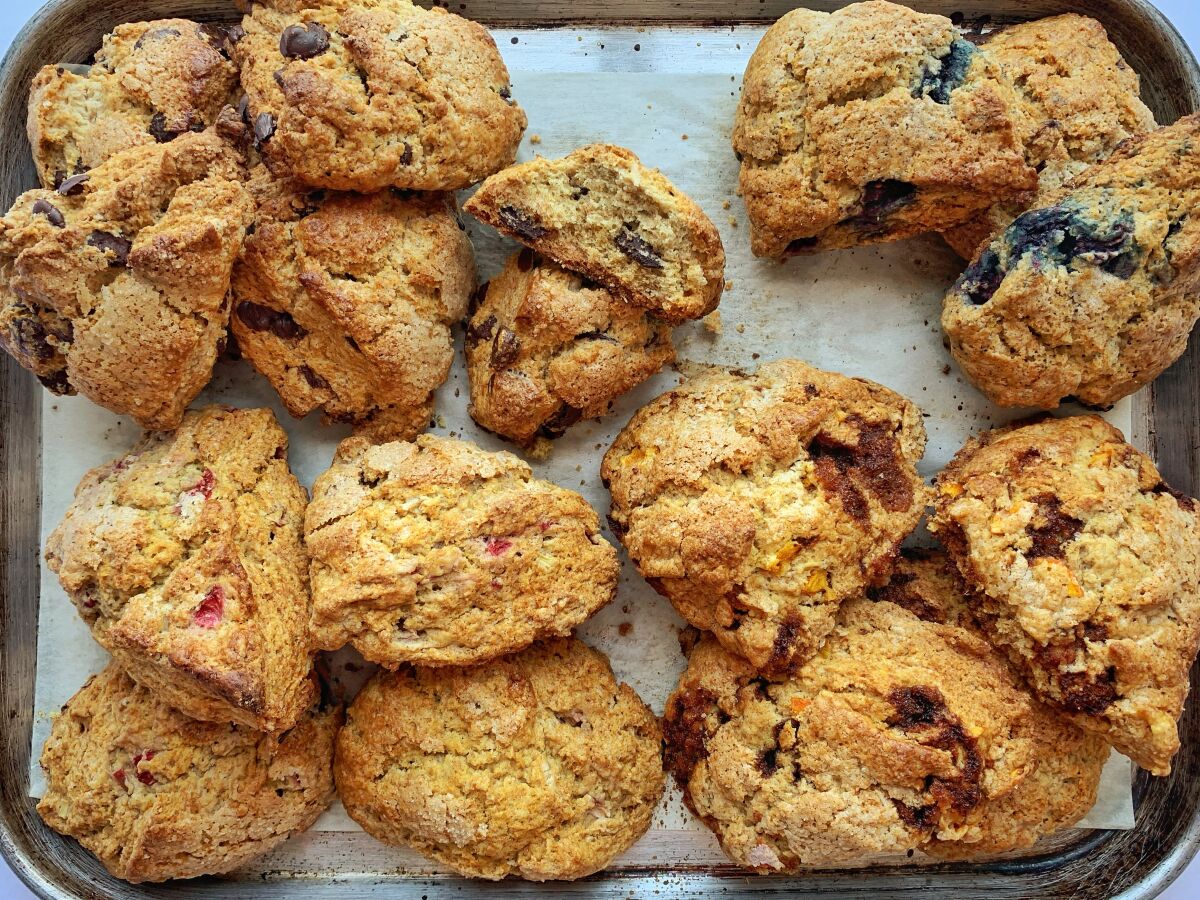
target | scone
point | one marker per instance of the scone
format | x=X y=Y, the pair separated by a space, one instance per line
x=156 y=795
x=599 y=212
x=1093 y=294
x=539 y=765
x=1081 y=97
x=184 y=557
x=439 y=553
x=547 y=348
x=901 y=734
x=757 y=504
x=360 y=95
x=345 y=302
x=872 y=123
x=150 y=83
x=115 y=285
x=1084 y=566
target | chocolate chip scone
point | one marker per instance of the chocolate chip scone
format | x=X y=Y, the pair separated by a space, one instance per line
x=1082 y=99
x=600 y=212
x=1085 y=567
x=345 y=302
x=900 y=734
x=757 y=504
x=547 y=348
x=156 y=795
x=873 y=123
x=1093 y=294
x=1060 y=785
x=539 y=765
x=116 y=284
x=360 y=95
x=184 y=557
x=150 y=83
x=439 y=553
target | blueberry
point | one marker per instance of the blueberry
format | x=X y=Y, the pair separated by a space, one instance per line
x=982 y=279
x=880 y=200
x=950 y=74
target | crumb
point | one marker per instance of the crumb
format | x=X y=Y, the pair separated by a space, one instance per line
x=733 y=223
x=535 y=139
x=729 y=285
x=624 y=628
x=540 y=450
x=741 y=329
x=688 y=638
x=683 y=137
x=712 y=322
x=755 y=355
x=946 y=369
x=726 y=205
x=441 y=421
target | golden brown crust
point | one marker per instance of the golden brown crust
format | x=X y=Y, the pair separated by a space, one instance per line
x=150 y=83
x=759 y=503
x=1093 y=293
x=600 y=212
x=547 y=348
x=184 y=557
x=900 y=734
x=1081 y=98
x=439 y=553
x=538 y=765
x=1085 y=567
x=345 y=302
x=157 y=796
x=376 y=94
x=116 y=286
x=870 y=124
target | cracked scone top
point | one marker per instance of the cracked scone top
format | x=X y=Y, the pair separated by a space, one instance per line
x=539 y=765
x=345 y=302
x=758 y=503
x=184 y=556
x=600 y=212
x=1085 y=567
x=115 y=285
x=439 y=553
x=873 y=123
x=360 y=95
x=547 y=348
x=900 y=734
x=150 y=83
x=1093 y=294
x=156 y=795
x=1082 y=100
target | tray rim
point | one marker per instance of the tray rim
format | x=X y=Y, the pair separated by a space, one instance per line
x=19 y=394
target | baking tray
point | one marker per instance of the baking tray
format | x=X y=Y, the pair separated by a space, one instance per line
x=1137 y=863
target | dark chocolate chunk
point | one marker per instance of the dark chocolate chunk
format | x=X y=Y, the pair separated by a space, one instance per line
x=1081 y=693
x=478 y=333
x=687 y=728
x=69 y=187
x=45 y=208
x=263 y=318
x=107 y=242
x=917 y=705
x=1049 y=540
x=219 y=37
x=264 y=127
x=768 y=762
x=56 y=382
x=315 y=381
x=521 y=223
x=525 y=260
x=637 y=248
x=951 y=72
x=505 y=349
x=566 y=416
x=406 y=157
x=304 y=41
x=28 y=333
x=158 y=128
x=596 y=336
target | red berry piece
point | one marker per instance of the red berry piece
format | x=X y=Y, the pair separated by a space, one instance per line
x=119 y=777
x=211 y=609
x=204 y=487
x=496 y=546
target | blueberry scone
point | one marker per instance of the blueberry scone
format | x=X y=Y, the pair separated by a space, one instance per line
x=599 y=212
x=345 y=302
x=1084 y=566
x=1082 y=100
x=757 y=504
x=115 y=285
x=150 y=83
x=184 y=556
x=1093 y=294
x=539 y=765
x=439 y=553
x=873 y=123
x=547 y=348
x=900 y=734
x=360 y=95
x=156 y=795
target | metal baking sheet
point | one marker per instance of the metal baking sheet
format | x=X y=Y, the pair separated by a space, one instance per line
x=668 y=92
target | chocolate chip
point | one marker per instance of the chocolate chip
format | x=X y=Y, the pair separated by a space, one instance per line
x=768 y=762
x=50 y=211
x=236 y=33
x=506 y=95
x=264 y=128
x=1081 y=693
x=304 y=41
x=219 y=37
x=783 y=647
x=56 y=382
x=596 y=336
x=521 y=223
x=59 y=177
x=505 y=349
x=29 y=334
x=1049 y=540
x=243 y=108
x=919 y=818
x=406 y=157
x=262 y=318
x=691 y=718
x=637 y=249
x=73 y=185
x=106 y=242
x=917 y=705
x=477 y=333
x=315 y=381
x=525 y=260
x=158 y=128
x=564 y=417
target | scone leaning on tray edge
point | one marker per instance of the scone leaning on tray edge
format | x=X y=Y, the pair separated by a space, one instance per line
x=286 y=186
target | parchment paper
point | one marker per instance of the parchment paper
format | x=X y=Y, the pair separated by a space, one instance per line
x=871 y=312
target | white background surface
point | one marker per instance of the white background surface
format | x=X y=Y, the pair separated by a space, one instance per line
x=1186 y=17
